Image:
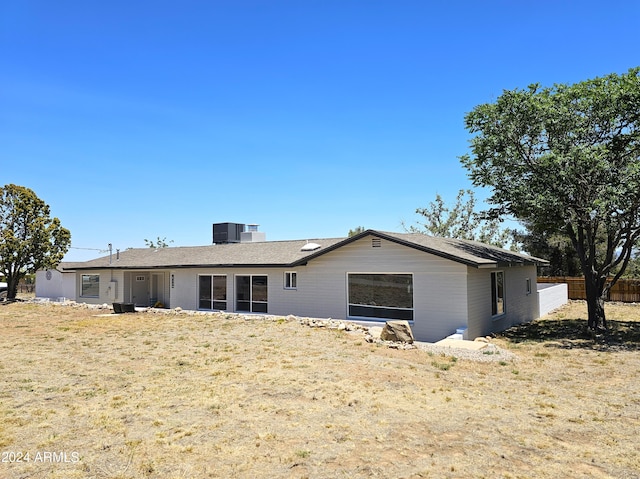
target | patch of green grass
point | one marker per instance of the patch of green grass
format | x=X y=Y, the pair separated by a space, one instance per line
x=441 y=366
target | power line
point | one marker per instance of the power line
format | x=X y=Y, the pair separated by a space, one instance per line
x=89 y=249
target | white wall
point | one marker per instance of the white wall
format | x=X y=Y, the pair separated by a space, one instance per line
x=551 y=296
x=58 y=285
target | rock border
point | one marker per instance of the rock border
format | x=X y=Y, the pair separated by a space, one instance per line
x=370 y=334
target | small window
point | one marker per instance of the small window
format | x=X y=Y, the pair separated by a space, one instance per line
x=528 y=286
x=140 y=278
x=497 y=293
x=290 y=280
x=90 y=287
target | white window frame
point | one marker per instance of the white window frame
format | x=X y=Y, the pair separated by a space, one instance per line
x=290 y=280
x=252 y=302
x=213 y=300
x=528 y=286
x=495 y=295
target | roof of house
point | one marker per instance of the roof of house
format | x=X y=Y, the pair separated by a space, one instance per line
x=291 y=253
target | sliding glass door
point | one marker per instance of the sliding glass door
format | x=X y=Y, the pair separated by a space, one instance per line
x=251 y=293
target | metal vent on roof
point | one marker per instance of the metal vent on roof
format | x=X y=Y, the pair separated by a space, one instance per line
x=376 y=242
x=310 y=247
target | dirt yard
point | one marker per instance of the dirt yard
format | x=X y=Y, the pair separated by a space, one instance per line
x=177 y=396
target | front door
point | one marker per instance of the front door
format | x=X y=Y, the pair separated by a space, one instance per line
x=157 y=290
x=140 y=289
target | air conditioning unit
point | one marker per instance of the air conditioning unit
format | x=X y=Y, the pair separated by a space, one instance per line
x=224 y=233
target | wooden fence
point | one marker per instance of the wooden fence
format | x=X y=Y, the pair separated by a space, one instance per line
x=625 y=290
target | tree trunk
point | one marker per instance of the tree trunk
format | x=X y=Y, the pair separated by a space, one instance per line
x=12 y=287
x=594 y=286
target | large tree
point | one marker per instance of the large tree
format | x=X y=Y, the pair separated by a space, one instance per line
x=29 y=238
x=566 y=159
x=554 y=247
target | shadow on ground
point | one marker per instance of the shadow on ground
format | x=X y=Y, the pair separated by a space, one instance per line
x=573 y=333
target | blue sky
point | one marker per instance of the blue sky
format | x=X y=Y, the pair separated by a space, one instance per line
x=137 y=120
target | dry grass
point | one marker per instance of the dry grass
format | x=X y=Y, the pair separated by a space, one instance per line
x=176 y=396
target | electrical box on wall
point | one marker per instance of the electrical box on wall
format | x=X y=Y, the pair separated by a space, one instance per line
x=112 y=290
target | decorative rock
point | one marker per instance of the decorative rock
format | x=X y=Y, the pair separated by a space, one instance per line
x=375 y=332
x=397 y=331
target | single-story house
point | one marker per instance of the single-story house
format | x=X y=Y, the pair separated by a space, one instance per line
x=439 y=285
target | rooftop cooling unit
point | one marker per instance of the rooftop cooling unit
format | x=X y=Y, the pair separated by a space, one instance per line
x=227 y=232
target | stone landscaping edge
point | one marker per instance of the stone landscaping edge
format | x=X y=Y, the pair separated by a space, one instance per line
x=370 y=334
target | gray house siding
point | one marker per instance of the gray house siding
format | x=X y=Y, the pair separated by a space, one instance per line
x=111 y=286
x=520 y=306
x=478 y=302
x=321 y=290
x=451 y=280
x=439 y=285
x=184 y=292
x=118 y=286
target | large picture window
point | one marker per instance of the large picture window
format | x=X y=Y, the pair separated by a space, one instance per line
x=212 y=292
x=251 y=293
x=497 y=293
x=383 y=296
x=90 y=287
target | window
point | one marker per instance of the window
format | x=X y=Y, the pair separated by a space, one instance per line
x=497 y=293
x=290 y=280
x=251 y=294
x=384 y=296
x=212 y=292
x=528 y=286
x=90 y=287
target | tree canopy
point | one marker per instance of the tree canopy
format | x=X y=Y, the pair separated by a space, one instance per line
x=566 y=159
x=552 y=246
x=460 y=221
x=29 y=238
x=158 y=243
x=355 y=231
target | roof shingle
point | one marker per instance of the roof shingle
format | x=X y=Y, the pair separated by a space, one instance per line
x=289 y=253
